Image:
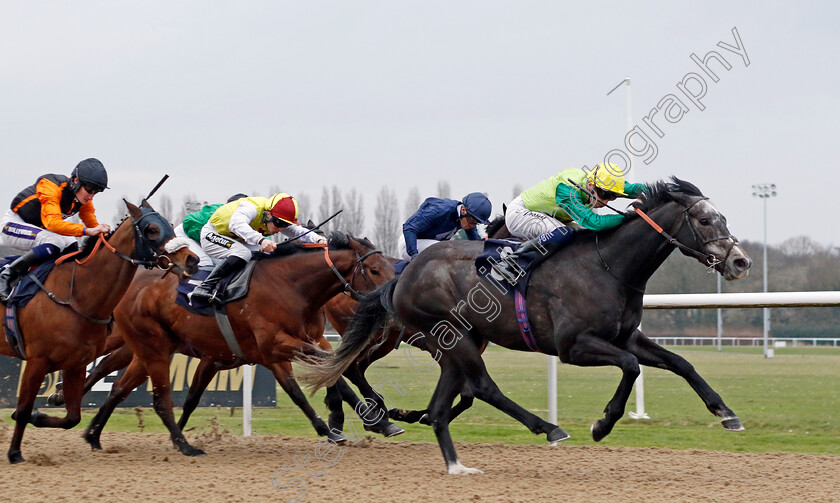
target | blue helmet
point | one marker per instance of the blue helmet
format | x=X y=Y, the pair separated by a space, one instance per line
x=478 y=206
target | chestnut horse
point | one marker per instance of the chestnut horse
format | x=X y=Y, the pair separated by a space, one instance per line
x=279 y=318
x=68 y=335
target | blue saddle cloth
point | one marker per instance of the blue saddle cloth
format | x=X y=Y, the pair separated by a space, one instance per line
x=23 y=292
x=27 y=287
x=234 y=287
x=494 y=250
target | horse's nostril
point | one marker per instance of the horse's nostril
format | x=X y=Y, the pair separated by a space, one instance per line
x=741 y=263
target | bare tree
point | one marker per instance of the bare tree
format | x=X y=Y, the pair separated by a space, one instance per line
x=164 y=207
x=305 y=211
x=386 y=229
x=443 y=189
x=330 y=203
x=412 y=203
x=354 y=213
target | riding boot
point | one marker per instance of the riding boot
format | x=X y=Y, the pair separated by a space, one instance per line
x=14 y=270
x=207 y=290
x=545 y=244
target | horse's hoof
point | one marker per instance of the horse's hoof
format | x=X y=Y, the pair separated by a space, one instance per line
x=36 y=418
x=391 y=430
x=557 y=435
x=93 y=441
x=192 y=451
x=424 y=419
x=599 y=430
x=336 y=438
x=457 y=468
x=732 y=424
x=55 y=399
x=15 y=458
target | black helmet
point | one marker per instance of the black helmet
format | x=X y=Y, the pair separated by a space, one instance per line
x=91 y=174
x=236 y=197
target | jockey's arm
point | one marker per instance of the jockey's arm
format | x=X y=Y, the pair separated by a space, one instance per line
x=293 y=231
x=50 y=196
x=572 y=202
x=240 y=223
x=415 y=224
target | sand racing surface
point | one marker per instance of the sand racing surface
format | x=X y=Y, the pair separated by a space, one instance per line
x=144 y=467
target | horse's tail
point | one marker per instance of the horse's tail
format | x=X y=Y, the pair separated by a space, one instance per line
x=373 y=312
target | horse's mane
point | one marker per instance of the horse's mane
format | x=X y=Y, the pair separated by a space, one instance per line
x=495 y=225
x=341 y=241
x=336 y=241
x=658 y=193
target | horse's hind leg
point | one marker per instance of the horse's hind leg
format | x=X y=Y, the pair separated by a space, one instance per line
x=449 y=384
x=205 y=372
x=652 y=354
x=373 y=411
x=134 y=376
x=30 y=383
x=283 y=373
x=158 y=370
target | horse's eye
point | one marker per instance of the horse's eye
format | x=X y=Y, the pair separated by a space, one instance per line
x=705 y=221
x=374 y=272
x=152 y=232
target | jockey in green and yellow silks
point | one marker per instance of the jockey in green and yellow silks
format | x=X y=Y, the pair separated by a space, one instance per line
x=242 y=226
x=550 y=211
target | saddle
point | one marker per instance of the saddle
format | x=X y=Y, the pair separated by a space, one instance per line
x=233 y=287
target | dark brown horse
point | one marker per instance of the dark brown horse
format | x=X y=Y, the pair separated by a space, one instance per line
x=585 y=306
x=68 y=337
x=280 y=318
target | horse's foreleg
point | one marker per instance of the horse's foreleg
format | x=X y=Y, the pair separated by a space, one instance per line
x=30 y=383
x=590 y=351
x=117 y=360
x=158 y=370
x=652 y=354
x=134 y=376
x=283 y=373
x=205 y=372
x=74 y=381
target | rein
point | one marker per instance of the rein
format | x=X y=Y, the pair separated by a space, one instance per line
x=348 y=288
x=708 y=260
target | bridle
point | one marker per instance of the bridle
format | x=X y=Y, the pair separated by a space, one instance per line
x=707 y=259
x=348 y=288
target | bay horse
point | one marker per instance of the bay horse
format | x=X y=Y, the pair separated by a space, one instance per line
x=584 y=304
x=278 y=319
x=70 y=335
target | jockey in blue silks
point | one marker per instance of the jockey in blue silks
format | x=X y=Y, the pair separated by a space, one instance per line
x=439 y=219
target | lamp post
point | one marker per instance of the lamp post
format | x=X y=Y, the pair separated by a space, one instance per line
x=765 y=191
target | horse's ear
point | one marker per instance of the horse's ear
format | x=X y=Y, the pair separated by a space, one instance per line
x=504 y=209
x=134 y=211
x=310 y=224
x=145 y=204
x=680 y=197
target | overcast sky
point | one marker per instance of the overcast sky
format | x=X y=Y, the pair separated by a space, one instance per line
x=241 y=96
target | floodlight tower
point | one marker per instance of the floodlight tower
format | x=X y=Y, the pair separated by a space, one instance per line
x=765 y=191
